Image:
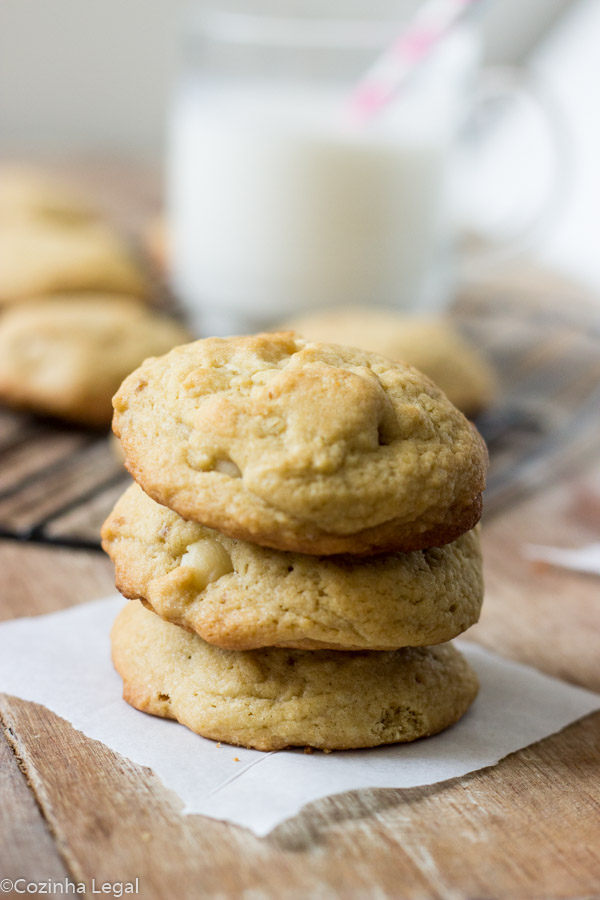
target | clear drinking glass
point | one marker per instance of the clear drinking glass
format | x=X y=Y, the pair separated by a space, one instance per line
x=278 y=201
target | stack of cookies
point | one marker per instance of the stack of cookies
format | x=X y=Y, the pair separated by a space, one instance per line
x=300 y=544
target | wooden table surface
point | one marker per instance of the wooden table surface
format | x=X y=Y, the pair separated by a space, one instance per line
x=526 y=828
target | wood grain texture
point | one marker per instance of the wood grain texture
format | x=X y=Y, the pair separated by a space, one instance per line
x=40 y=579
x=22 y=826
x=536 y=613
x=504 y=832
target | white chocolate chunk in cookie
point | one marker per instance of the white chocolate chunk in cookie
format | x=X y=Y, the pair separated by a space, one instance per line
x=209 y=561
x=227 y=467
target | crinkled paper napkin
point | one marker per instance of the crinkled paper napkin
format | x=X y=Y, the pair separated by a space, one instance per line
x=62 y=661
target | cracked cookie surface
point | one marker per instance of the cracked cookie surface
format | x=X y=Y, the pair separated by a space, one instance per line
x=301 y=446
x=241 y=596
x=274 y=698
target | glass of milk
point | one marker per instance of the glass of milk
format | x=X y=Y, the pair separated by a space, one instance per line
x=279 y=202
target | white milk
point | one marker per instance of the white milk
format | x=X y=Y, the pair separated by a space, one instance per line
x=278 y=203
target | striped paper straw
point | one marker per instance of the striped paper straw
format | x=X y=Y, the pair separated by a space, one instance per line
x=431 y=23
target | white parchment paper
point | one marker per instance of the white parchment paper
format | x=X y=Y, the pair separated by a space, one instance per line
x=62 y=661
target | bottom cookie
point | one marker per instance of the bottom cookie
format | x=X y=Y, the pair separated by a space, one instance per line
x=273 y=698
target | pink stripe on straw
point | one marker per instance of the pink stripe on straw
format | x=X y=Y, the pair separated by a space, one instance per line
x=430 y=25
x=415 y=45
x=369 y=98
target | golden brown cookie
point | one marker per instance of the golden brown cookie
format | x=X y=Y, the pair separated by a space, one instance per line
x=301 y=446
x=240 y=596
x=271 y=699
x=66 y=356
x=39 y=257
x=27 y=192
x=430 y=344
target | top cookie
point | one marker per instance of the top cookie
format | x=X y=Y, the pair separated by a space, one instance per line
x=431 y=344
x=301 y=446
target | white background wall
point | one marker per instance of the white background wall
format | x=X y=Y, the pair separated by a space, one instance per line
x=89 y=75
x=94 y=75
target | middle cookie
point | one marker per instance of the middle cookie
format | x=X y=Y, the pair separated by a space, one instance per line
x=240 y=596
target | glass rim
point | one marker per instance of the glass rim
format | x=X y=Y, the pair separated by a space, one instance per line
x=279 y=31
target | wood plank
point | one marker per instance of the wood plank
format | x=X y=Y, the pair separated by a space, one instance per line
x=32 y=451
x=39 y=579
x=23 y=826
x=546 y=616
x=79 y=475
x=85 y=520
x=505 y=832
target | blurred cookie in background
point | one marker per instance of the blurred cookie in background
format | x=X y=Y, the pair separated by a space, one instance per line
x=66 y=356
x=430 y=344
x=40 y=257
x=27 y=192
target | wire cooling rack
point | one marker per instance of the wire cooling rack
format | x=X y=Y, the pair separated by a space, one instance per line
x=58 y=483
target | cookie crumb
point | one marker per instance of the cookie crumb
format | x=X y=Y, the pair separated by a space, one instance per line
x=236 y=759
x=219 y=744
x=308 y=749
x=325 y=750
